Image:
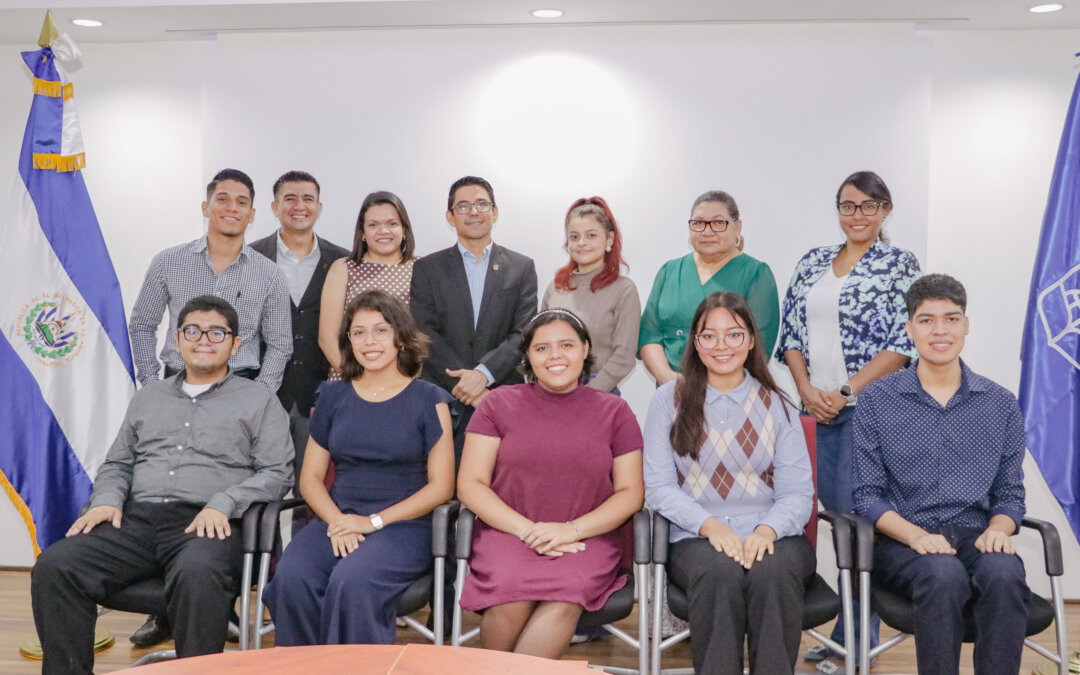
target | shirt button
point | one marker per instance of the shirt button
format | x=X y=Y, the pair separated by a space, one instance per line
x=187 y=424
x=172 y=473
x=194 y=401
x=179 y=447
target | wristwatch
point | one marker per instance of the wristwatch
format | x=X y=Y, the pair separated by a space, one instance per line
x=376 y=521
x=847 y=392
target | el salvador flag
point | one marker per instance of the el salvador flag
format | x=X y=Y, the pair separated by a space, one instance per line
x=1050 y=376
x=64 y=355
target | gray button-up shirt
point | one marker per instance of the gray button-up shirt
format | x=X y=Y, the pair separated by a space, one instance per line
x=224 y=448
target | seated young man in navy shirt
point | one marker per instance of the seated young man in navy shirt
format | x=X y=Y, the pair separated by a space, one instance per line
x=937 y=468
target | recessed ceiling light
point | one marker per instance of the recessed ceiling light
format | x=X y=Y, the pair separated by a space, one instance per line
x=547 y=13
x=1043 y=9
x=87 y=23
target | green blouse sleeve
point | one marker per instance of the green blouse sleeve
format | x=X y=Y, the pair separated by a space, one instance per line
x=764 y=302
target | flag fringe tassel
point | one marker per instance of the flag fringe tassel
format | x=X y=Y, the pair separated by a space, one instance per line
x=65 y=164
x=53 y=89
x=23 y=509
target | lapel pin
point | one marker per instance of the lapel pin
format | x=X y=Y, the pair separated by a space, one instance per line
x=495 y=267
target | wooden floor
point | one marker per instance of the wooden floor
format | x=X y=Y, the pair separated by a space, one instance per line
x=16 y=624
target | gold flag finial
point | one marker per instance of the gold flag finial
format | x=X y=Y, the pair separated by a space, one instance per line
x=48 y=31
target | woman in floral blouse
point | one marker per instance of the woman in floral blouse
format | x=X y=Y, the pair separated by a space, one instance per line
x=843 y=328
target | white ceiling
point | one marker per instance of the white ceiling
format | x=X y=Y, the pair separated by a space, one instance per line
x=153 y=20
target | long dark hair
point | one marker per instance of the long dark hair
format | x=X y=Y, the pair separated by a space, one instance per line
x=688 y=428
x=408 y=241
x=409 y=340
x=613 y=260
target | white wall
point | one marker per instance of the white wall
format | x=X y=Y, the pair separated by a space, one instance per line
x=648 y=117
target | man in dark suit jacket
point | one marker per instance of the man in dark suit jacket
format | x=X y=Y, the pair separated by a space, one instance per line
x=473 y=300
x=305 y=259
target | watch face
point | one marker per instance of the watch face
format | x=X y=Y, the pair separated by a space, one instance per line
x=845 y=390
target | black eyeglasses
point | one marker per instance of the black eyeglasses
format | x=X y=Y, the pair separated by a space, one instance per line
x=461 y=208
x=868 y=208
x=193 y=333
x=716 y=226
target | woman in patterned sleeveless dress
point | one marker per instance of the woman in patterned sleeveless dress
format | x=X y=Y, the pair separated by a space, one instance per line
x=381 y=259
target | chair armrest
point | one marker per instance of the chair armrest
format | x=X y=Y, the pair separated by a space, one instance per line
x=463 y=545
x=1051 y=545
x=864 y=542
x=843 y=538
x=440 y=527
x=660 y=532
x=268 y=524
x=249 y=532
x=642 y=537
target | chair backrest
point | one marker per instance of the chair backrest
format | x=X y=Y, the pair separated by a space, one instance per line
x=809 y=425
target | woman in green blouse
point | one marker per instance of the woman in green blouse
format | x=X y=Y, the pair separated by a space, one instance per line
x=717 y=264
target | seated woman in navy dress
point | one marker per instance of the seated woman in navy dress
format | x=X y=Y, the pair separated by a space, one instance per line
x=389 y=436
x=551 y=468
x=726 y=463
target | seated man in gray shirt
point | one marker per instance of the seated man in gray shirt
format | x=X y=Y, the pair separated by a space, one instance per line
x=193 y=452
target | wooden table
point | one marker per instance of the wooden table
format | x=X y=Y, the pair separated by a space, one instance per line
x=409 y=659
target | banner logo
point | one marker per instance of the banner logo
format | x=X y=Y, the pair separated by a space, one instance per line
x=1059 y=309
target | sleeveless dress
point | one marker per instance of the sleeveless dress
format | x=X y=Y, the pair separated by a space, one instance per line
x=554 y=464
x=394 y=279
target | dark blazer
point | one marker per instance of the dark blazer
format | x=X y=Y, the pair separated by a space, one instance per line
x=308 y=367
x=441 y=303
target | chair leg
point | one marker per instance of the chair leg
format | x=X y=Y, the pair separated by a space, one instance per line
x=245 y=601
x=849 y=628
x=659 y=584
x=438 y=602
x=864 y=621
x=264 y=575
x=455 y=629
x=1059 y=626
x=641 y=579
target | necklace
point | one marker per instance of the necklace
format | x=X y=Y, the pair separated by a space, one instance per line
x=375 y=394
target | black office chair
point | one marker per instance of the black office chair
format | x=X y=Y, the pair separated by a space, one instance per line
x=619 y=606
x=426 y=589
x=819 y=601
x=148 y=596
x=898 y=612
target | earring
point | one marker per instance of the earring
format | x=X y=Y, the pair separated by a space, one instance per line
x=608 y=249
x=739 y=242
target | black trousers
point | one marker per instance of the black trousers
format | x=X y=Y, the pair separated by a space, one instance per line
x=75 y=574
x=729 y=603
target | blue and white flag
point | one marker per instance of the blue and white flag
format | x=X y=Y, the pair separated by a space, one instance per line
x=64 y=353
x=1050 y=377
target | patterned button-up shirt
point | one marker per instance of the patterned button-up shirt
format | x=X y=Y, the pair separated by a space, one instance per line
x=871 y=313
x=954 y=465
x=252 y=284
x=753 y=469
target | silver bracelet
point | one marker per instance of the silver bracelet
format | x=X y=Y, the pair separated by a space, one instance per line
x=577 y=529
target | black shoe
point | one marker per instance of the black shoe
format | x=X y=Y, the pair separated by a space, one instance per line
x=155 y=630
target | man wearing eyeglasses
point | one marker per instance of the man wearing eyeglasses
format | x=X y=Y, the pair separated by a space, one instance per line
x=473 y=300
x=218 y=263
x=193 y=453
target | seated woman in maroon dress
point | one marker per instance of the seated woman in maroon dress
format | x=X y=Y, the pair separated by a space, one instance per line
x=551 y=469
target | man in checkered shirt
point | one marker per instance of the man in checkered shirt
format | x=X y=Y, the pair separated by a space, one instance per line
x=218 y=263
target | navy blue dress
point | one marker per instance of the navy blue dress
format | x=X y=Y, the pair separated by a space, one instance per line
x=381 y=452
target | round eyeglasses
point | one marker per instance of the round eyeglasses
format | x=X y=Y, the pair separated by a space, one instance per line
x=716 y=226
x=194 y=334
x=868 y=208
x=461 y=208
x=733 y=339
